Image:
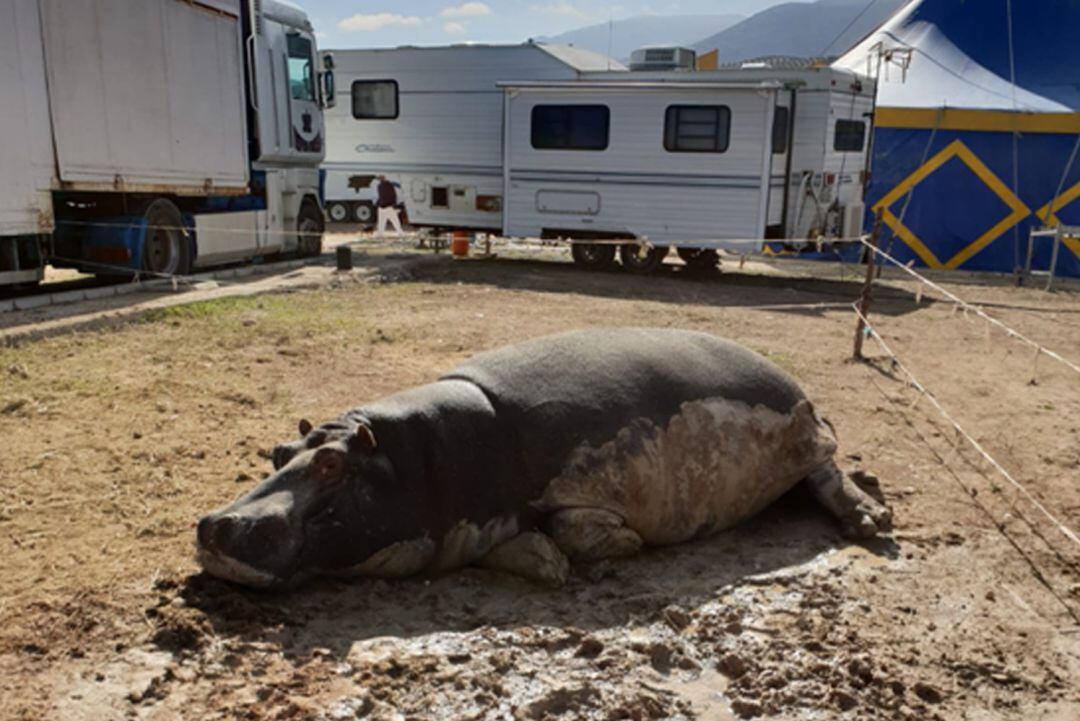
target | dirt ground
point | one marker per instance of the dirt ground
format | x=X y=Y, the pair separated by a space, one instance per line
x=115 y=440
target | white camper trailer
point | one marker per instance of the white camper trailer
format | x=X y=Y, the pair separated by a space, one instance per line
x=685 y=158
x=430 y=119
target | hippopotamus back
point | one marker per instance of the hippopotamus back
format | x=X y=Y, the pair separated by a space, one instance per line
x=580 y=388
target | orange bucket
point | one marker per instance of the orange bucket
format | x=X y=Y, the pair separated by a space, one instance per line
x=459 y=244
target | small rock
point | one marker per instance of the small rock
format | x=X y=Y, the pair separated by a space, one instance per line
x=242 y=477
x=732 y=665
x=844 y=700
x=928 y=693
x=990 y=595
x=744 y=708
x=660 y=655
x=676 y=617
x=861 y=669
x=13 y=406
x=590 y=647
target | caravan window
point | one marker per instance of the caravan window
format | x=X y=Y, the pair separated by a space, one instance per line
x=697 y=128
x=375 y=99
x=780 y=130
x=570 y=127
x=850 y=136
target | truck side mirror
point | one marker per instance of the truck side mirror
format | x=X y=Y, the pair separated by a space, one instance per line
x=329 y=99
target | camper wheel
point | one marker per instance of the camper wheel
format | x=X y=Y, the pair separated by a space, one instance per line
x=364 y=213
x=338 y=212
x=593 y=256
x=699 y=258
x=638 y=258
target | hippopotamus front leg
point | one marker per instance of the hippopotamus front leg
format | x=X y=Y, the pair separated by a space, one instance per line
x=531 y=555
x=592 y=534
x=859 y=514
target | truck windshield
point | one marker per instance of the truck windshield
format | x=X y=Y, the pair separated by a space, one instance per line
x=301 y=69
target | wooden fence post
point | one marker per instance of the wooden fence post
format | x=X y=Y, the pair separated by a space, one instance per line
x=868 y=286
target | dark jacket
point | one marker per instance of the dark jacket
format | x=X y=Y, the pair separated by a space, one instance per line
x=387 y=194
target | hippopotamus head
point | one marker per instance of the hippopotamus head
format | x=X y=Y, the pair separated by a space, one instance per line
x=315 y=513
x=311 y=437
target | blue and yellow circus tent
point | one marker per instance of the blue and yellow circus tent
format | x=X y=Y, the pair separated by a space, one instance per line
x=976 y=130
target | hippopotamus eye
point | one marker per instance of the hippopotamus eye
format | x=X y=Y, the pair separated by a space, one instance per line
x=316 y=439
x=328 y=464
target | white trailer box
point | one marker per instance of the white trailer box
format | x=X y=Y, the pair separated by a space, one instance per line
x=430 y=119
x=147 y=95
x=693 y=159
x=26 y=157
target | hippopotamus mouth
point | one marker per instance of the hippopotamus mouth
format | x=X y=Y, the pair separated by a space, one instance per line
x=218 y=564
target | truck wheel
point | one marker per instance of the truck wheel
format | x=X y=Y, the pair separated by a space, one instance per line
x=641 y=258
x=593 y=256
x=699 y=258
x=165 y=246
x=364 y=213
x=338 y=212
x=309 y=231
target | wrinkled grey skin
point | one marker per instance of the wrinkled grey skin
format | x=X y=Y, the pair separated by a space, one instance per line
x=579 y=446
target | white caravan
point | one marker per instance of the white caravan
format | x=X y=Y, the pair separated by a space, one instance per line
x=430 y=119
x=156 y=135
x=686 y=158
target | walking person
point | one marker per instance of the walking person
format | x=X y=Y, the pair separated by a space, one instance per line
x=387 y=205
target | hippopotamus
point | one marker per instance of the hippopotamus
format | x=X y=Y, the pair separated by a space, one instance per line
x=579 y=446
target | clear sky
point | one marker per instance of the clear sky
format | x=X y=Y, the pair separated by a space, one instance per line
x=380 y=23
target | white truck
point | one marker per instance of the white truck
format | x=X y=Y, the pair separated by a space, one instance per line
x=158 y=136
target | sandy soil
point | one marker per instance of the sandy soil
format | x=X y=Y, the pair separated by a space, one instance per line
x=117 y=439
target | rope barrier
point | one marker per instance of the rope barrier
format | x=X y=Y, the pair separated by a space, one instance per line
x=1065 y=530
x=694 y=242
x=1039 y=348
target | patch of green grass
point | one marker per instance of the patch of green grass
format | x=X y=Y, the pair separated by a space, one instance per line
x=786 y=361
x=288 y=313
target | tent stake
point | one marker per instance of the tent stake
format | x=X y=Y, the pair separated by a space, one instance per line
x=868 y=286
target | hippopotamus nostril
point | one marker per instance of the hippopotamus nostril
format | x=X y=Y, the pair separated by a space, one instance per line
x=205 y=532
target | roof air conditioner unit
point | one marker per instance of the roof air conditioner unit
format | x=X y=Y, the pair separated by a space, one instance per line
x=663 y=59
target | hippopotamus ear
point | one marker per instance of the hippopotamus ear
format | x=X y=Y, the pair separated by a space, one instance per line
x=305 y=427
x=363 y=440
x=328 y=463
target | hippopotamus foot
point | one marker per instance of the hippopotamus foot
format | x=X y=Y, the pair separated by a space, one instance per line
x=592 y=534
x=531 y=555
x=860 y=514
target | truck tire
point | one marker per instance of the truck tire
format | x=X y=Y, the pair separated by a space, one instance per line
x=309 y=230
x=338 y=212
x=641 y=258
x=166 y=249
x=364 y=213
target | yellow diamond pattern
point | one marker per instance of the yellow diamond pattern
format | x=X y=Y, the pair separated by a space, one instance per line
x=958 y=150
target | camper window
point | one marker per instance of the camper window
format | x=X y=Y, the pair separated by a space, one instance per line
x=780 y=130
x=850 y=136
x=375 y=99
x=301 y=69
x=697 y=128
x=570 y=127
